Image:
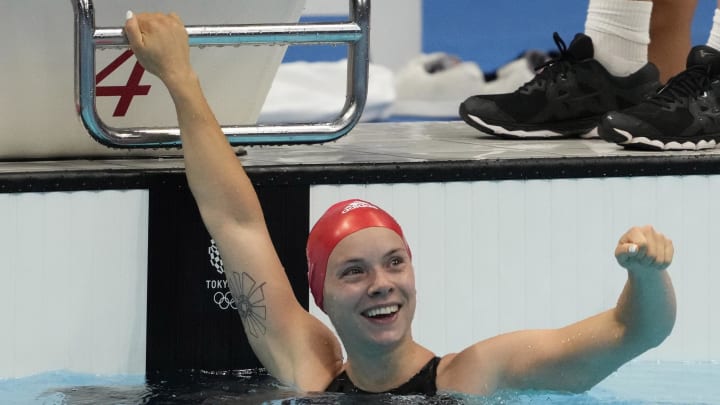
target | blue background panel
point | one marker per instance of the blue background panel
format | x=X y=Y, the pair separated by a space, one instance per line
x=492 y=33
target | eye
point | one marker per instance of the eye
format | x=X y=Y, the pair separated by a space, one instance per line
x=396 y=261
x=352 y=271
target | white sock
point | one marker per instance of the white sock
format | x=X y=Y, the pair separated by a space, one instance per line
x=714 y=39
x=620 y=30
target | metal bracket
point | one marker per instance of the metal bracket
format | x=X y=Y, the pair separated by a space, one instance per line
x=354 y=33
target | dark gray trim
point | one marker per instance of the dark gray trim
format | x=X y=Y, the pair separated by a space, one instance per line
x=368 y=173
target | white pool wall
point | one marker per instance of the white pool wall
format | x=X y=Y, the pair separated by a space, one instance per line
x=497 y=256
x=73 y=282
x=490 y=257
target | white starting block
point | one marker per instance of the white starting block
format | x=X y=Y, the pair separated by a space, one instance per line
x=39 y=113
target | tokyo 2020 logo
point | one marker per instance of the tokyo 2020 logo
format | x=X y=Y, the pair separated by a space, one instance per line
x=222 y=297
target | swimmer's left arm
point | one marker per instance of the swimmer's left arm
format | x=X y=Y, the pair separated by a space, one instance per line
x=578 y=356
x=647 y=307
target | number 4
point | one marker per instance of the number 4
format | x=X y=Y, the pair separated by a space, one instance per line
x=131 y=89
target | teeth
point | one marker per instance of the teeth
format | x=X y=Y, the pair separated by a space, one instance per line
x=382 y=310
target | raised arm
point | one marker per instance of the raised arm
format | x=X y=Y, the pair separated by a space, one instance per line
x=578 y=356
x=292 y=344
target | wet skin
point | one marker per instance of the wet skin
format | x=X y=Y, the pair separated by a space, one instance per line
x=370 y=290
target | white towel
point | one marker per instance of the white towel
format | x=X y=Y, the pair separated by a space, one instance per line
x=305 y=92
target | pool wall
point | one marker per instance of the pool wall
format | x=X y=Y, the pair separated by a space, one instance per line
x=490 y=256
x=497 y=256
x=73 y=282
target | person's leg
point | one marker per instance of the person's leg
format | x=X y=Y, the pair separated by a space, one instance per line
x=604 y=69
x=714 y=38
x=683 y=115
x=670 y=41
x=620 y=33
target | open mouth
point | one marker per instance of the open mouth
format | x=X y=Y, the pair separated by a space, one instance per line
x=382 y=312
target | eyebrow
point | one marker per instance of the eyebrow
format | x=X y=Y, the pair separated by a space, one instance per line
x=361 y=260
x=393 y=252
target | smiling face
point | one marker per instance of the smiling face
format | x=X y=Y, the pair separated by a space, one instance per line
x=340 y=220
x=370 y=289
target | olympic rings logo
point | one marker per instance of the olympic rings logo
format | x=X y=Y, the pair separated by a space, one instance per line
x=224 y=300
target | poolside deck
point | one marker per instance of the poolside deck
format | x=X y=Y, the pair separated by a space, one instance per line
x=379 y=153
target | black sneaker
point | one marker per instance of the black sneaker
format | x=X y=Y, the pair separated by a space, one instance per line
x=683 y=115
x=566 y=98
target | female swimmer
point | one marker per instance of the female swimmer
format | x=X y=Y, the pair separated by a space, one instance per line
x=361 y=275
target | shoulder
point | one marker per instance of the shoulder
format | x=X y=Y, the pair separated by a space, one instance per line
x=480 y=368
x=498 y=362
x=467 y=372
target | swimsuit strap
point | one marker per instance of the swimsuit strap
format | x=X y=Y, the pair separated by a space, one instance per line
x=422 y=383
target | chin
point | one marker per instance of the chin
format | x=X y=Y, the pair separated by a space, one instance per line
x=389 y=339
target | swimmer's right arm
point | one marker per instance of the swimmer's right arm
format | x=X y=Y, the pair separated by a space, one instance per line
x=294 y=346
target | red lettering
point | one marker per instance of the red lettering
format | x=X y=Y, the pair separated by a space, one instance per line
x=126 y=93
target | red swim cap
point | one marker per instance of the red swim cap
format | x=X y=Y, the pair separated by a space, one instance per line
x=339 y=221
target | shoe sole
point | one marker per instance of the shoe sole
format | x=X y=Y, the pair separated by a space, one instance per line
x=629 y=141
x=575 y=129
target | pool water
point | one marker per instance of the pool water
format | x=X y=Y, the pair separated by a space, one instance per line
x=643 y=383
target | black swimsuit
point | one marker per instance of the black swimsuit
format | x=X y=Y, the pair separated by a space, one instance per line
x=422 y=383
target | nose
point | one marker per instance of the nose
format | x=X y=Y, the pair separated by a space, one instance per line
x=381 y=284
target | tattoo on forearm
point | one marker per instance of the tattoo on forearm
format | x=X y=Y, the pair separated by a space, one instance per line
x=250 y=300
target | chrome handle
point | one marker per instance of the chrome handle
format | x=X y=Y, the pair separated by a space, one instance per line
x=354 y=33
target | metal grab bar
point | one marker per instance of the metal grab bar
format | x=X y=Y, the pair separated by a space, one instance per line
x=355 y=33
